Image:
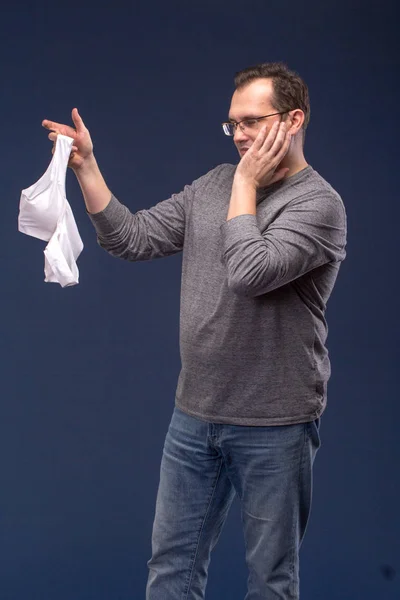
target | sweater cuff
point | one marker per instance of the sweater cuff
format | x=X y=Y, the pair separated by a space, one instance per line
x=110 y=219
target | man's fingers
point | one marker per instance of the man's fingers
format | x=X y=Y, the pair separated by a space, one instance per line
x=272 y=136
x=53 y=136
x=283 y=148
x=51 y=125
x=260 y=139
x=59 y=128
x=275 y=138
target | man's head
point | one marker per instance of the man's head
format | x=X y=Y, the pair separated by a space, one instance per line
x=267 y=89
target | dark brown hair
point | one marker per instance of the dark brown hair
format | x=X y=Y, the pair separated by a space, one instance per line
x=290 y=91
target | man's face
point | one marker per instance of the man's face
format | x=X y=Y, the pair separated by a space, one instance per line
x=252 y=101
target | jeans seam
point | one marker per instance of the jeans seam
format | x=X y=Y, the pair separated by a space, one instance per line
x=301 y=466
x=193 y=560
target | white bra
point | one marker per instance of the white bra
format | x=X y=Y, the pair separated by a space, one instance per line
x=45 y=213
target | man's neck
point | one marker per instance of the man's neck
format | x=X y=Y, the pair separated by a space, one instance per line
x=294 y=161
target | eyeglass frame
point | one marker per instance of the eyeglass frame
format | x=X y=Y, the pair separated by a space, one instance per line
x=237 y=123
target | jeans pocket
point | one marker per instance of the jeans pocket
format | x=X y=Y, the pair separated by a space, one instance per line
x=313 y=433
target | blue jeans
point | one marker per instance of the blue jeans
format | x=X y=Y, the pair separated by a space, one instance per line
x=204 y=465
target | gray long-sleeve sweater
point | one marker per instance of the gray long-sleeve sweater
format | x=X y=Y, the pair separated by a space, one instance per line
x=253 y=293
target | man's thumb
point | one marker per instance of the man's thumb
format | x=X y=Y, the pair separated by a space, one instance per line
x=77 y=119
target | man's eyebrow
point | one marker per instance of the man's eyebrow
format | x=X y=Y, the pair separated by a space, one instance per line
x=243 y=118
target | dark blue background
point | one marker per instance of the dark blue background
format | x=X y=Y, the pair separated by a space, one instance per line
x=88 y=373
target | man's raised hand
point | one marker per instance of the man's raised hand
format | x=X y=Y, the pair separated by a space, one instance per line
x=258 y=166
x=82 y=147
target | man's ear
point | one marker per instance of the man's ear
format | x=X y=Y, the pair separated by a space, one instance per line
x=297 y=118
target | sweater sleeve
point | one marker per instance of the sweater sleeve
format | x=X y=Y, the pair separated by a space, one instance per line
x=309 y=232
x=146 y=234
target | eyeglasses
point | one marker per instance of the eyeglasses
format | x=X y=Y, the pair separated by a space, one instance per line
x=229 y=127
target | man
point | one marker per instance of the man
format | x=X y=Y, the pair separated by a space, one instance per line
x=262 y=244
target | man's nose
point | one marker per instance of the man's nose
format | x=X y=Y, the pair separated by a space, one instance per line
x=239 y=135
